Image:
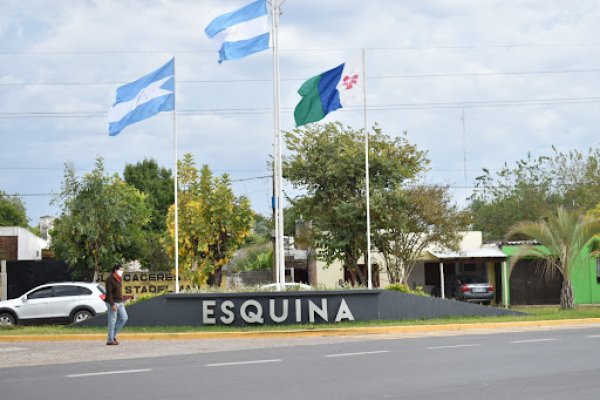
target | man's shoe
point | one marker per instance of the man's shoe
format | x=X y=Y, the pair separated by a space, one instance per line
x=113 y=343
x=116 y=341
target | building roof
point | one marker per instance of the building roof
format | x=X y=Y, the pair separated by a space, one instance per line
x=486 y=252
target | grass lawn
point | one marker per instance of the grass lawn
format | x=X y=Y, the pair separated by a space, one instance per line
x=534 y=313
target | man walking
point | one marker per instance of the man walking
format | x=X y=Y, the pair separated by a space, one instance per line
x=117 y=315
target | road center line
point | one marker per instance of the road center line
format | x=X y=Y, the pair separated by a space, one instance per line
x=533 y=340
x=452 y=346
x=9 y=349
x=356 y=354
x=243 y=363
x=125 y=371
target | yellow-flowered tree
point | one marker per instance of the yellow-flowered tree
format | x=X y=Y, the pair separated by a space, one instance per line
x=213 y=223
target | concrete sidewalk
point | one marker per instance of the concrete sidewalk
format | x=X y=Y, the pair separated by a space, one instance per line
x=324 y=332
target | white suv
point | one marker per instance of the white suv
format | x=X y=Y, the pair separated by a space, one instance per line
x=68 y=301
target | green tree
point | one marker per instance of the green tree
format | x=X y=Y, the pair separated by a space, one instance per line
x=157 y=184
x=567 y=238
x=328 y=163
x=534 y=188
x=409 y=221
x=518 y=194
x=213 y=223
x=101 y=216
x=12 y=211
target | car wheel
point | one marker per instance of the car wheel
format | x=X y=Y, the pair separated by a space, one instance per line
x=81 y=315
x=6 y=319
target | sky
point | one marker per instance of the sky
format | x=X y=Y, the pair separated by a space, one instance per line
x=524 y=74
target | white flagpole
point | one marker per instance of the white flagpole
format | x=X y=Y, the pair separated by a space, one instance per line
x=364 y=89
x=279 y=251
x=175 y=182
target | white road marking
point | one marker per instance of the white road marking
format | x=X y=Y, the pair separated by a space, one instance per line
x=533 y=340
x=356 y=354
x=125 y=371
x=456 y=346
x=9 y=349
x=243 y=363
x=593 y=336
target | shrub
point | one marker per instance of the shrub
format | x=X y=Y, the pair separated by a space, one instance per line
x=401 y=287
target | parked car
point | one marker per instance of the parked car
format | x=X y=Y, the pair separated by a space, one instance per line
x=289 y=286
x=471 y=288
x=55 y=302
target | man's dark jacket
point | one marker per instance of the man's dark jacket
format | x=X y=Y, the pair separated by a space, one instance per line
x=114 y=290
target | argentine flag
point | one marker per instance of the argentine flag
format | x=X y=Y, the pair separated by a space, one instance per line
x=242 y=32
x=140 y=100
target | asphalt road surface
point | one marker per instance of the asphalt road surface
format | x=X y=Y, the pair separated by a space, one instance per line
x=551 y=364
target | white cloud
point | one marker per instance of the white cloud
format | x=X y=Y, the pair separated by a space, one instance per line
x=115 y=41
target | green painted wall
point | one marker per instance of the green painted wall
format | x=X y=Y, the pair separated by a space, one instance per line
x=586 y=289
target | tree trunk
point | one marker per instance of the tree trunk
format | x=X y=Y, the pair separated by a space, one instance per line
x=215 y=278
x=566 y=295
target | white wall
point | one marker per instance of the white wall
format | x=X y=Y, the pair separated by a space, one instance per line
x=330 y=276
x=29 y=246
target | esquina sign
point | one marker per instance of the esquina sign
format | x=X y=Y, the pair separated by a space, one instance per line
x=278 y=311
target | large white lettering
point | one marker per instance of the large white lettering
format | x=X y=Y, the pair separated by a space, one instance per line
x=344 y=312
x=249 y=316
x=228 y=316
x=208 y=312
x=251 y=311
x=298 y=311
x=284 y=311
x=313 y=309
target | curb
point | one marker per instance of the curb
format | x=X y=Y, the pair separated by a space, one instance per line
x=375 y=330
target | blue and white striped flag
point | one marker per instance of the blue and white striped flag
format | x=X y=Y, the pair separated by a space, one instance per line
x=143 y=98
x=241 y=32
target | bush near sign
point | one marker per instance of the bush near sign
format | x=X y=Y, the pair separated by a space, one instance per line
x=138 y=283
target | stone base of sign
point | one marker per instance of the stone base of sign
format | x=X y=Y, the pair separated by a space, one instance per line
x=286 y=308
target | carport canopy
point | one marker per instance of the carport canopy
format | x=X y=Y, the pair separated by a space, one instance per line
x=482 y=254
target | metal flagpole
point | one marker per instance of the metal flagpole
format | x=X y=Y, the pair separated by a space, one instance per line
x=364 y=87
x=280 y=255
x=175 y=182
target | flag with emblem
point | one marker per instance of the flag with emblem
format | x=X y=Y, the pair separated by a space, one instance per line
x=334 y=89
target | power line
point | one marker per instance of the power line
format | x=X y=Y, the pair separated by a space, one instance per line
x=387 y=107
x=284 y=50
x=269 y=80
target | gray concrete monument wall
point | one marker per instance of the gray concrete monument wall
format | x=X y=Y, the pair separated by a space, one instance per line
x=318 y=307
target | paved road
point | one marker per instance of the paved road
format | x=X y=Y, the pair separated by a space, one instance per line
x=551 y=364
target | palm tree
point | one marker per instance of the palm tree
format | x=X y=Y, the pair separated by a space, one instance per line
x=566 y=237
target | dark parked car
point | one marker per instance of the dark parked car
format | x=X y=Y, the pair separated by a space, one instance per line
x=471 y=288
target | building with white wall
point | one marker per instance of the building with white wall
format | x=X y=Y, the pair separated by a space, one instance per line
x=19 y=244
x=433 y=267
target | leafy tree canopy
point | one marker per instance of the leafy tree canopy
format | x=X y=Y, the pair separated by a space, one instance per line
x=411 y=220
x=12 y=211
x=101 y=216
x=157 y=184
x=213 y=222
x=533 y=188
x=328 y=163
